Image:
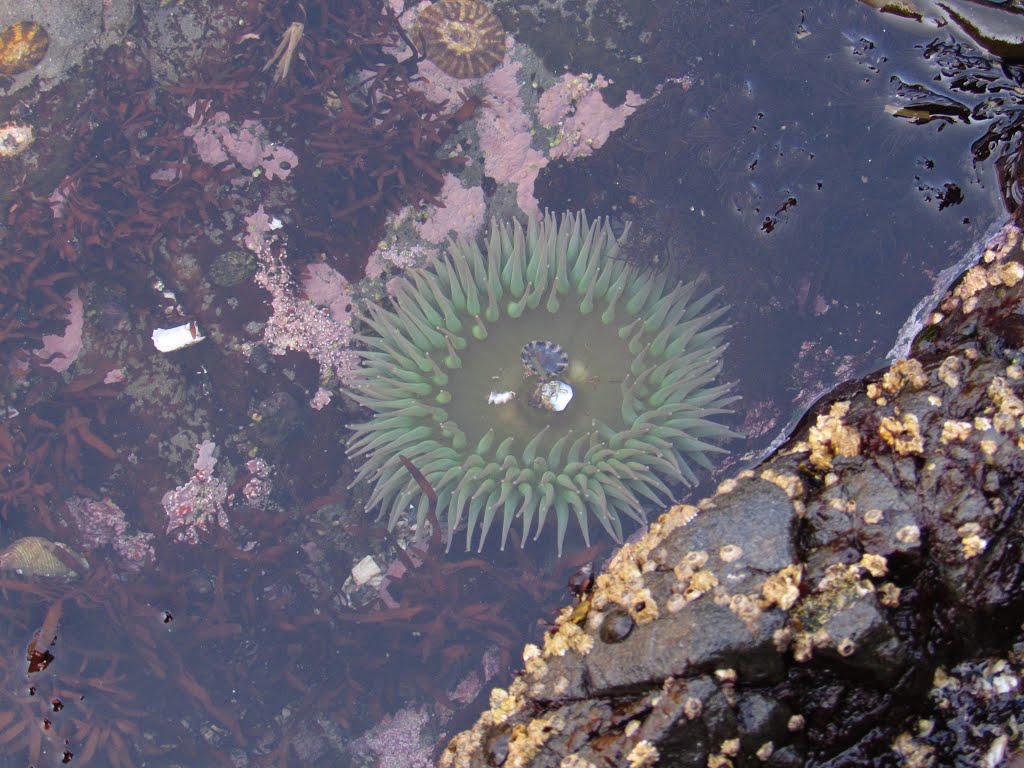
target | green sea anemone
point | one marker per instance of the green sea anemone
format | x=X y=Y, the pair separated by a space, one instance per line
x=453 y=376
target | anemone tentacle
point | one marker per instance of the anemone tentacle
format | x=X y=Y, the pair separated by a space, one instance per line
x=644 y=362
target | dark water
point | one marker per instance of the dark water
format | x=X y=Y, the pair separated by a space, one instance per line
x=782 y=176
x=775 y=170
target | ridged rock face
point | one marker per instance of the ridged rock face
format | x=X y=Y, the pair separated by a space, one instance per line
x=443 y=373
x=462 y=37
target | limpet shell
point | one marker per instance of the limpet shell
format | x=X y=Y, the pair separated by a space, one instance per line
x=22 y=46
x=616 y=626
x=462 y=37
x=36 y=556
x=543 y=358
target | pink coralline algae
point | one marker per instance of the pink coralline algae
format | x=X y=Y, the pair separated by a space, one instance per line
x=297 y=323
x=257 y=490
x=258 y=227
x=218 y=140
x=397 y=741
x=326 y=287
x=575 y=105
x=504 y=130
x=467 y=689
x=101 y=523
x=572 y=121
x=60 y=351
x=192 y=509
x=398 y=256
x=321 y=398
x=462 y=212
x=395 y=571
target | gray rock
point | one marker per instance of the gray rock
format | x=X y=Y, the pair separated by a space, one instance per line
x=800 y=612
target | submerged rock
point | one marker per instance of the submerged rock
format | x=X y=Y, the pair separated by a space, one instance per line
x=805 y=611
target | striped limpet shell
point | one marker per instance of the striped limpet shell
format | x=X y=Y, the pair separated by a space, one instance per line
x=462 y=37
x=22 y=46
x=543 y=358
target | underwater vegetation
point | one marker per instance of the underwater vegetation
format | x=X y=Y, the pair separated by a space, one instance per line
x=627 y=412
x=135 y=195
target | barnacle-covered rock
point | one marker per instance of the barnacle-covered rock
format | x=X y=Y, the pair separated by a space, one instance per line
x=878 y=546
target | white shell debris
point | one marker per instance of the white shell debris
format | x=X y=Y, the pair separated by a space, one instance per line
x=170 y=339
x=365 y=570
x=551 y=395
x=500 y=398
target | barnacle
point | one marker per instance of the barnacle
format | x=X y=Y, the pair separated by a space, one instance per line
x=462 y=37
x=15 y=138
x=643 y=359
x=22 y=46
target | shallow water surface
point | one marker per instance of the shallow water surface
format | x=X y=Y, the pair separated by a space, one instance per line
x=778 y=171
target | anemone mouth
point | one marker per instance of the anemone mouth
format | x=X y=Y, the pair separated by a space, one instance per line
x=444 y=372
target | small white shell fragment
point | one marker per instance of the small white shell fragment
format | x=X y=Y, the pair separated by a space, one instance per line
x=500 y=398
x=1004 y=684
x=365 y=570
x=170 y=339
x=996 y=752
x=552 y=396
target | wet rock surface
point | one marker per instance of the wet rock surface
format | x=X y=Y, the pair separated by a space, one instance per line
x=853 y=600
x=74 y=27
